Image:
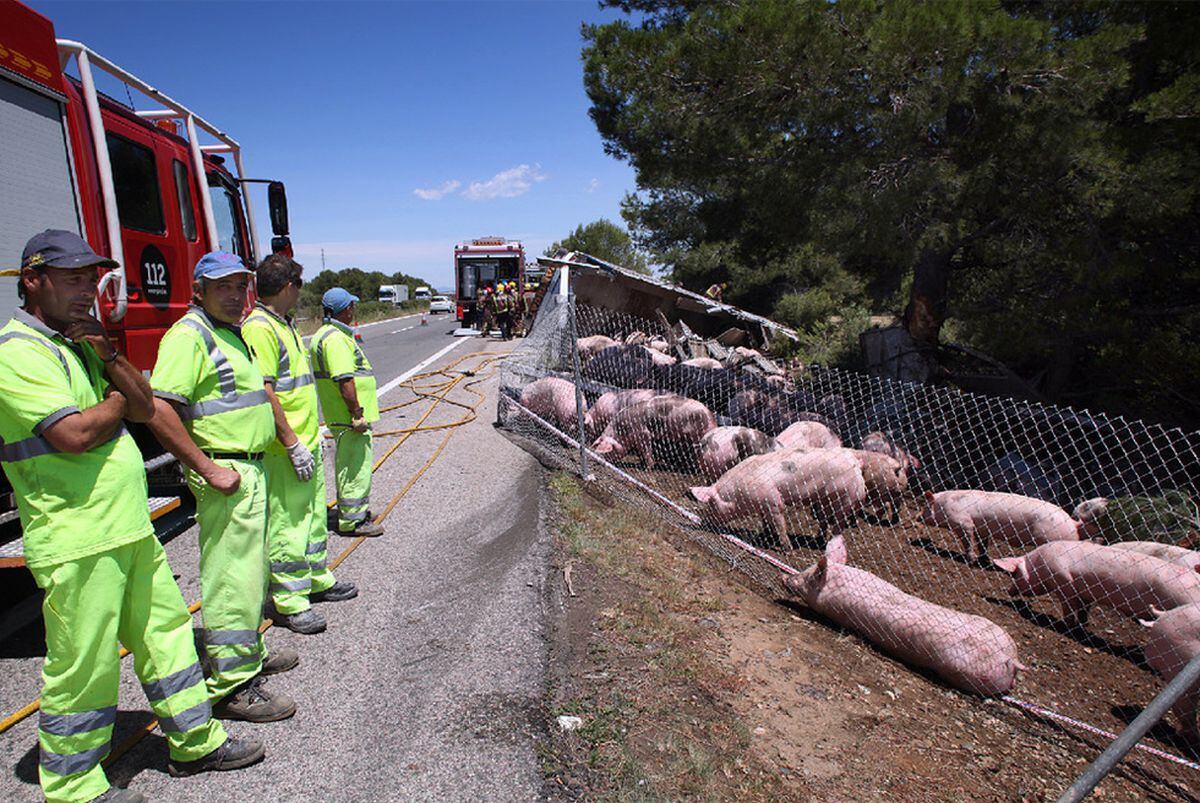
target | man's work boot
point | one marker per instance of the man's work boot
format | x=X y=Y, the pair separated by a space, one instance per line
x=306 y=622
x=341 y=590
x=368 y=529
x=280 y=660
x=116 y=795
x=253 y=703
x=232 y=755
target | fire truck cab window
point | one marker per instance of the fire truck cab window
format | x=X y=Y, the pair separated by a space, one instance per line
x=229 y=234
x=186 y=213
x=135 y=179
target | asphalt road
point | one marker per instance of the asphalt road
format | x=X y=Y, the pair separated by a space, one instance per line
x=427 y=686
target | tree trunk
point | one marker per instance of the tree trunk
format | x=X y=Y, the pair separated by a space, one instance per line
x=916 y=360
x=927 y=302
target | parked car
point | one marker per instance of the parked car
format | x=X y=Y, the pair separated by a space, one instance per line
x=441 y=304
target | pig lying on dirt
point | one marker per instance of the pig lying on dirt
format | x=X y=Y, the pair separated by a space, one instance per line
x=1084 y=574
x=724 y=447
x=703 y=362
x=968 y=652
x=591 y=346
x=553 y=399
x=827 y=481
x=809 y=434
x=1168 y=552
x=1175 y=640
x=663 y=419
x=613 y=402
x=977 y=517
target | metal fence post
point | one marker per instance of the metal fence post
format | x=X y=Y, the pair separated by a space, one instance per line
x=1158 y=707
x=574 y=347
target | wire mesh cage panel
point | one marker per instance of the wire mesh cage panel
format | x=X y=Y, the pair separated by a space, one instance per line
x=993 y=542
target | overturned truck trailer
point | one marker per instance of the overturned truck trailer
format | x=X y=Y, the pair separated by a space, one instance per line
x=702 y=327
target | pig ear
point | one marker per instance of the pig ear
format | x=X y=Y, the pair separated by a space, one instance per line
x=1010 y=565
x=835 y=551
x=701 y=493
x=929 y=496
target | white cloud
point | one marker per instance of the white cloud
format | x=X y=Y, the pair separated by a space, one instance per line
x=438 y=193
x=505 y=184
x=592 y=185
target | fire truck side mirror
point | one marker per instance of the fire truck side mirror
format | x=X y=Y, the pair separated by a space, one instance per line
x=282 y=245
x=277 y=200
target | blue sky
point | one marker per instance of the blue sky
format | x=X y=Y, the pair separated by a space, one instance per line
x=399 y=128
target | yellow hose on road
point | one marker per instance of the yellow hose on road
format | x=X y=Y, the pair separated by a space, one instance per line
x=421 y=392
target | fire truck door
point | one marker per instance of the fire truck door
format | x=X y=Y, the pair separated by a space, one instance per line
x=158 y=280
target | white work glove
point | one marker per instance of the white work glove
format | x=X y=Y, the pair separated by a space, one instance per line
x=359 y=424
x=302 y=461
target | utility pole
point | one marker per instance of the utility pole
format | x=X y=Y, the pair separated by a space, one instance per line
x=322 y=259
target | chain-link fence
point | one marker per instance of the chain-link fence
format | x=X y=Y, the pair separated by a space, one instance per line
x=993 y=542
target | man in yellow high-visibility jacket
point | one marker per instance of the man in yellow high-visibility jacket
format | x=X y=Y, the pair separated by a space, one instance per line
x=296 y=529
x=206 y=377
x=346 y=387
x=81 y=490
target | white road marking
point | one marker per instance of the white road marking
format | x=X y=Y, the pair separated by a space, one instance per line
x=375 y=323
x=416 y=369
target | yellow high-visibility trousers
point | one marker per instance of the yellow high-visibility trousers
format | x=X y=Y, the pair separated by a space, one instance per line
x=125 y=595
x=352 y=469
x=296 y=532
x=233 y=575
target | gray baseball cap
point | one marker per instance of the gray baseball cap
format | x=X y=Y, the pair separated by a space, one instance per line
x=56 y=248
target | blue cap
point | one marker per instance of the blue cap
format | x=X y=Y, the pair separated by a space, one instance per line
x=336 y=299
x=56 y=248
x=219 y=264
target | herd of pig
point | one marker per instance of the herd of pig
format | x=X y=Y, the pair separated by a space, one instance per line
x=753 y=474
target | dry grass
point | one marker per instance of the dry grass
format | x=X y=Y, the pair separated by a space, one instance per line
x=634 y=669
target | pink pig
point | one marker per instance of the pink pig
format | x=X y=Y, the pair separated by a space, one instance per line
x=703 y=362
x=613 y=402
x=659 y=358
x=671 y=419
x=1168 y=552
x=879 y=442
x=1084 y=574
x=828 y=481
x=969 y=652
x=1174 y=641
x=979 y=516
x=724 y=447
x=809 y=434
x=554 y=399
x=886 y=479
x=593 y=345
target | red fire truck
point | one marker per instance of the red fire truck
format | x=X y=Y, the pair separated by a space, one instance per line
x=482 y=263
x=140 y=186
